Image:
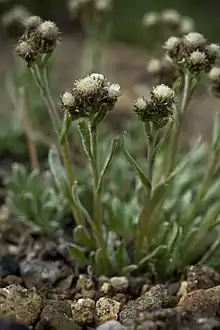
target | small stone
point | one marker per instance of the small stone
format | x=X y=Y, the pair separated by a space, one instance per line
x=54 y=314
x=105 y=288
x=12 y=279
x=157 y=297
x=202 y=302
x=120 y=297
x=19 y=304
x=85 y=283
x=111 y=325
x=84 y=311
x=107 y=309
x=120 y=284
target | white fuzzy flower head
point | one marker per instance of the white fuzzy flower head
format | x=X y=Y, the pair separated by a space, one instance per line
x=114 y=91
x=150 y=19
x=163 y=92
x=197 y=57
x=154 y=66
x=171 y=16
x=214 y=74
x=171 y=43
x=140 y=103
x=187 y=25
x=32 y=22
x=68 y=99
x=48 y=30
x=18 y=14
x=195 y=39
x=214 y=50
x=88 y=85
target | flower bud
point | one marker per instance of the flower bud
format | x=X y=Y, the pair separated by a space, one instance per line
x=196 y=62
x=171 y=18
x=214 y=75
x=194 y=41
x=151 y=19
x=26 y=51
x=49 y=34
x=187 y=25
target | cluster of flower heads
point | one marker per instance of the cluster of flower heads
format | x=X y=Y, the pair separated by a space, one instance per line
x=89 y=96
x=171 y=20
x=40 y=37
x=193 y=52
x=99 y=5
x=214 y=76
x=159 y=108
x=162 y=71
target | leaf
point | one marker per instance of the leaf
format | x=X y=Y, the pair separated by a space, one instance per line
x=58 y=170
x=78 y=254
x=78 y=203
x=85 y=138
x=151 y=255
x=108 y=161
x=65 y=127
x=129 y=269
x=145 y=181
x=82 y=237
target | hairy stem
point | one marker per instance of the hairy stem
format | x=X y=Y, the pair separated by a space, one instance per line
x=97 y=195
x=175 y=135
x=145 y=218
x=42 y=83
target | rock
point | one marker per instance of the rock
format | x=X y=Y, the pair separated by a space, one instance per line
x=202 y=302
x=111 y=325
x=119 y=284
x=12 y=279
x=107 y=309
x=9 y=325
x=19 y=304
x=54 y=314
x=9 y=266
x=84 y=311
x=157 y=297
x=85 y=286
x=120 y=297
x=201 y=277
x=38 y=273
x=105 y=289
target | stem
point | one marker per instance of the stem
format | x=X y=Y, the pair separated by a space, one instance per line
x=42 y=83
x=97 y=203
x=145 y=218
x=175 y=135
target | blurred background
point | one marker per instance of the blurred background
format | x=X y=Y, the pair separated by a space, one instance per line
x=125 y=55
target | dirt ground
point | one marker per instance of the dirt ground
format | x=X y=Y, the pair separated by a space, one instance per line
x=123 y=64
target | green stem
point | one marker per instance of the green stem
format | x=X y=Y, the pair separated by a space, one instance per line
x=42 y=83
x=145 y=216
x=175 y=135
x=97 y=195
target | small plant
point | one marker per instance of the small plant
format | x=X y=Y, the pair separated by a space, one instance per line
x=160 y=210
x=34 y=198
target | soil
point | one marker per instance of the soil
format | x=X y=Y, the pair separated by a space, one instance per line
x=41 y=287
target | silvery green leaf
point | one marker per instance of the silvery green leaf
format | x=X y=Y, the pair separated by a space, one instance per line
x=58 y=171
x=129 y=269
x=76 y=199
x=78 y=253
x=82 y=237
x=108 y=161
x=85 y=137
x=144 y=179
x=151 y=255
x=65 y=127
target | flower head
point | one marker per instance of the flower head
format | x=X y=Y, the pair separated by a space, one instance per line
x=187 y=25
x=158 y=108
x=214 y=75
x=89 y=96
x=26 y=51
x=194 y=40
x=171 y=17
x=49 y=36
x=151 y=19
